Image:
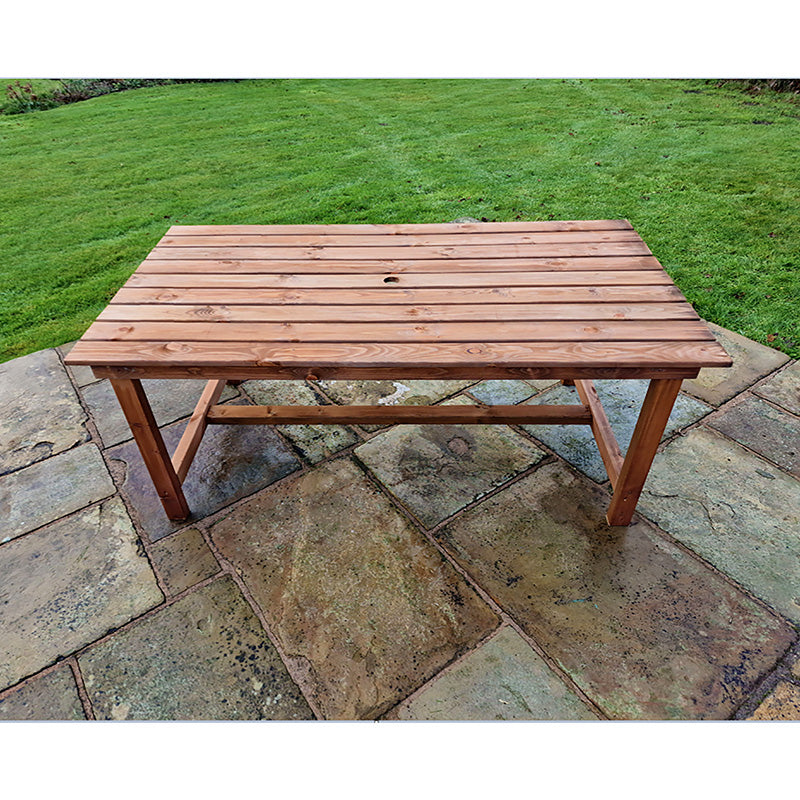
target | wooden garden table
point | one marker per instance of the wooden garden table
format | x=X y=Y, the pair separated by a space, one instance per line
x=567 y=300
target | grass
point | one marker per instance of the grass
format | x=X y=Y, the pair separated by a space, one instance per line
x=708 y=175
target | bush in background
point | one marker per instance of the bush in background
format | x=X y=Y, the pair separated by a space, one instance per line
x=23 y=97
x=759 y=85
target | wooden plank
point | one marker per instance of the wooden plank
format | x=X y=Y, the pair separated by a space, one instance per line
x=399 y=356
x=635 y=248
x=508 y=312
x=383 y=415
x=321 y=239
x=422 y=227
x=631 y=330
x=195 y=428
x=244 y=372
x=394 y=266
x=650 y=426
x=139 y=415
x=456 y=280
x=391 y=296
x=601 y=428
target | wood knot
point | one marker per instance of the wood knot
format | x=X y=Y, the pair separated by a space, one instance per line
x=176 y=347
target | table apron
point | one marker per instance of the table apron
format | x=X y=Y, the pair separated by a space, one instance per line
x=394 y=373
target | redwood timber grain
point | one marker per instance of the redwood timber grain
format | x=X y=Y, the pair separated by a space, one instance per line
x=194 y=266
x=383 y=415
x=392 y=296
x=460 y=238
x=601 y=428
x=199 y=331
x=424 y=227
x=360 y=373
x=653 y=418
x=400 y=356
x=631 y=248
x=486 y=312
x=139 y=415
x=195 y=428
x=388 y=279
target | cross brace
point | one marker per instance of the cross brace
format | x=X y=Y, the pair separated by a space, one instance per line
x=627 y=474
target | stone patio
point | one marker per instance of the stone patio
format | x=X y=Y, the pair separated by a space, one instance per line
x=404 y=573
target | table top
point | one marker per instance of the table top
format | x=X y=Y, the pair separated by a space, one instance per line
x=503 y=299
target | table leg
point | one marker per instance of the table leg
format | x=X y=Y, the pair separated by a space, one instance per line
x=137 y=411
x=657 y=406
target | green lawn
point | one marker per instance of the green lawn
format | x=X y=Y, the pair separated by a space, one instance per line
x=709 y=176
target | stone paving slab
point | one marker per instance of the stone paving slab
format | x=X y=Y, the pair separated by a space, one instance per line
x=643 y=628
x=66 y=585
x=49 y=697
x=183 y=559
x=504 y=679
x=499 y=393
x=751 y=362
x=435 y=470
x=365 y=607
x=169 y=399
x=50 y=489
x=41 y=412
x=783 y=703
x=734 y=509
x=390 y=393
x=772 y=433
x=315 y=442
x=622 y=401
x=232 y=462
x=206 y=656
x=362 y=604
x=784 y=388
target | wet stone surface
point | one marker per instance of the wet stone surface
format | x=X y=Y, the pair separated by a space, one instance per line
x=772 y=433
x=622 y=401
x=732 y=508
x=784 y=389
x=232 y=462
x=504 y=679
x=315 y=442
x=390 y=393
x=169 y=399
x=41 y=413
x=435 y=470
x=751 y=362
x=644 y=629
x=783 y=703
x=204 y=657
x=50 y=489
x=67 y=585
x=403 y=393
x=50 y=697
x=183 y=559
x=499 y=393
x=366 y=609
